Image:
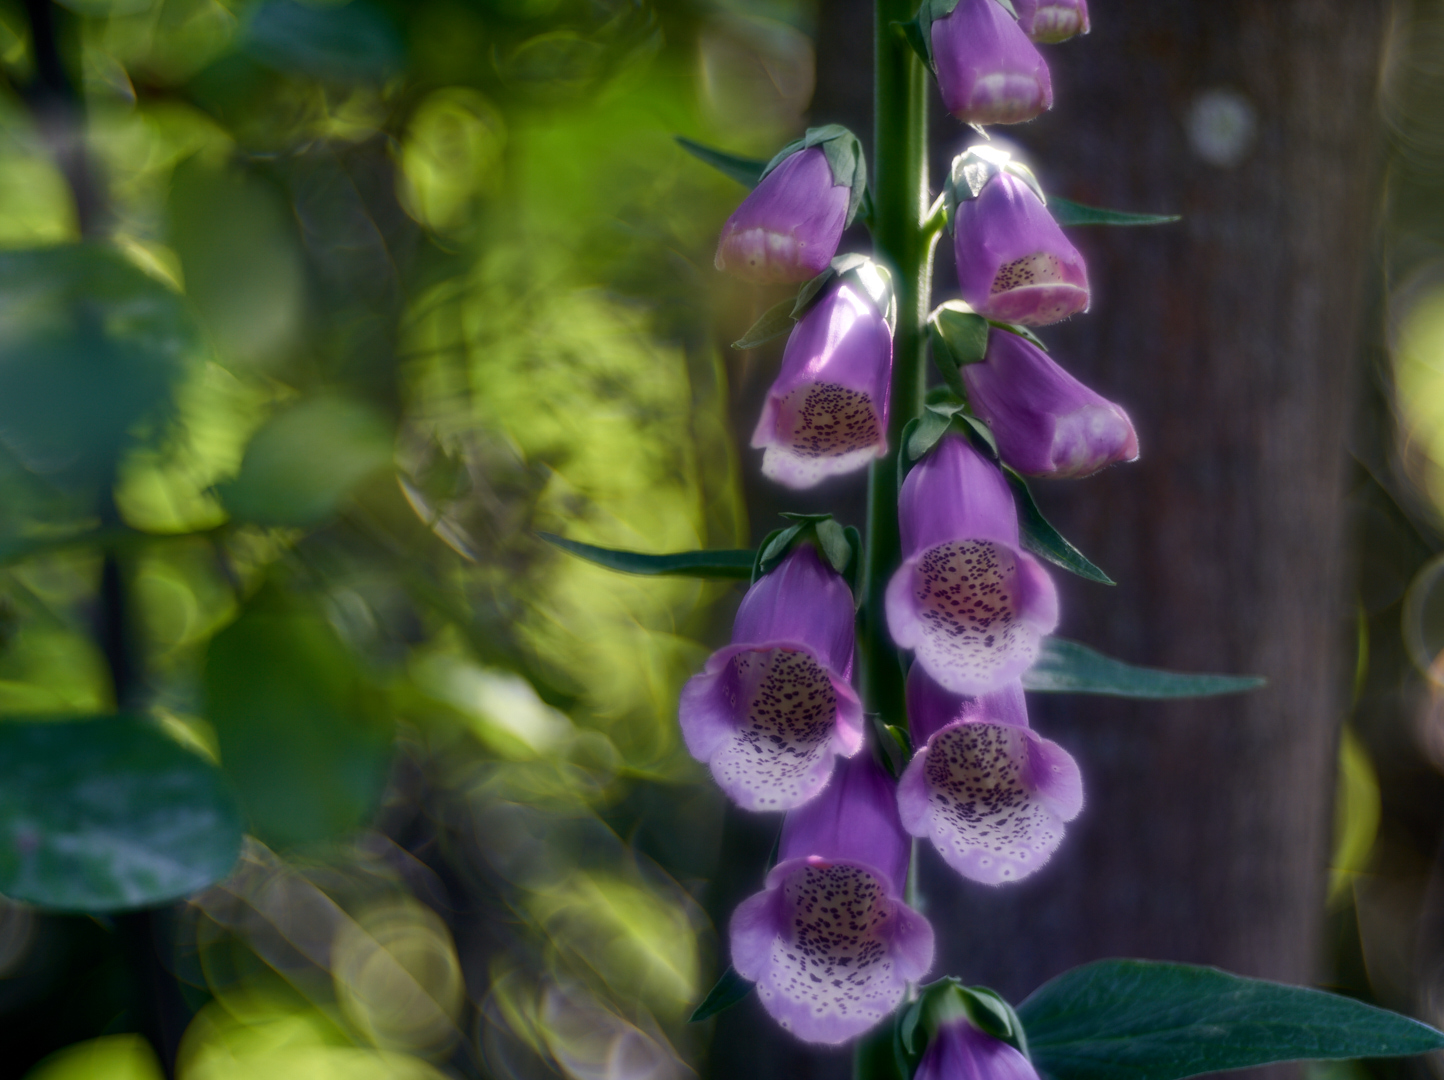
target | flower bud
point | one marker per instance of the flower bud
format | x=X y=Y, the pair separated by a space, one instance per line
x=826 y=413
x=788 y=229
x=1046 y=422
x=1052 y=21
x=829 y=941
x=959 y=1051
x=1014 y=263
x=988 y=71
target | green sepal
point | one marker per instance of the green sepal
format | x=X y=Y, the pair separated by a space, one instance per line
x=746 y=171
x=913 y=34
x=973 y=168
x=942 y=412
x=1039 y=537
x=1066 y=667
x=722 y=563
x=959 y=337
x=892 y=744
x=840 y=547
x=1068 y=212
x=948 y=1000
x=844 y=157
x=728 y=991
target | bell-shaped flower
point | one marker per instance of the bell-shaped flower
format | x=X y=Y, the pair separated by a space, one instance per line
x=1045 y=421
x=967 y=599
x=991 y=794
x=988 y=71
x=788 y=229
x=827 y=412
x=1014 y=263
x=829 y=941
x=1052 y=21
x=769 y=713
x=959 y=1051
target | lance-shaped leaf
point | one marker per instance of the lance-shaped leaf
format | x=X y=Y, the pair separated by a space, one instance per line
x=1140 y=1020
x=109 y=813
x=746 y=171
x=1067 y=212
x=777 y=320
x=1066 y=667
x=730 y=989
x=722 y=563
x=1042 y=539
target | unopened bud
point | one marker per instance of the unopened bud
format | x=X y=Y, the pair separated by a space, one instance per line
x=988 y=71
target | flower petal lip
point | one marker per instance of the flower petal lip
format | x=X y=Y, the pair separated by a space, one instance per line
x=788 y=228
x=1052 y=21
x=988 y=71
x=1045 y=421
x=769 y=713
x=1014 y=263
x=971 y=604
x=827 y=412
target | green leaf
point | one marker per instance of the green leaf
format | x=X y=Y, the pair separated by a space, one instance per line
x=959 y=337
x=109 y=813
x=304 y=461
x=302 y=733
x=1043 y=540
x=723 y=563
x=746 y=171
x=912 y=33
x=777 y=320
x=342 y=43
x=1067 y=212
x=1141 y=1020
x=90 y=348
x=730 y=989
x=1066 y=667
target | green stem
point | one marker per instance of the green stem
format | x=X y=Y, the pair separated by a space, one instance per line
x=901 y=206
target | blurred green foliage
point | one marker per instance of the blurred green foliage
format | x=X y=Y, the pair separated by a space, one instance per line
x=310 y=315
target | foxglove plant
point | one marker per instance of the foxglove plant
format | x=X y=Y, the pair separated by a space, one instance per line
x=834 y=941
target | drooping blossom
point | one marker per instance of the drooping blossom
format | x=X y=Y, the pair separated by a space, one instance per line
x=959 y=1051
x=988 y=71
x=789 y=227
x=827 y=412
x=1046 y=422
x=829 y=941
x=1014 y=263
x=970 y=602
x=1052 y=21
x=991 y=794
x=769 y=713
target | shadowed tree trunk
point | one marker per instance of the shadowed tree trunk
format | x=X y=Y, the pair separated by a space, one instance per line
x=1230 y=338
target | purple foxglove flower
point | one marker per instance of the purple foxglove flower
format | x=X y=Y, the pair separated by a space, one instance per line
x=1014 y=263
x=827 y=412
x=967 y=599
x=960 y=1051
x=1046 y=422
x=1052 y=21
x=990 y=794
x=788 y=229
x=829 y=941
x=769 y=712
x=988 y=71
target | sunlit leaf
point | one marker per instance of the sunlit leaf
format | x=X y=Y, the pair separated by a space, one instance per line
x=699 y=564
x=109 y=813
x=1067 y=212
x=1141 y=1020
x=1066 y=667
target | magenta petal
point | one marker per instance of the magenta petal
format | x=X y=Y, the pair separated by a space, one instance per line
x=955 y=492
x=802 y=600
x=841 y=952
x=992 y=798
x=856 y=819
x=789 y=227
x=1014 y=263
x=960 y=1051
x=988 y=71
x=931 y=707
x=1046 y=422
x=1052 y=21
x=826 y=414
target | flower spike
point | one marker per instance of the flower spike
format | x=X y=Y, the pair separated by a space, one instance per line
x=769 y=713
x=829 y=941
x=990 y=794
x=970 y=602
